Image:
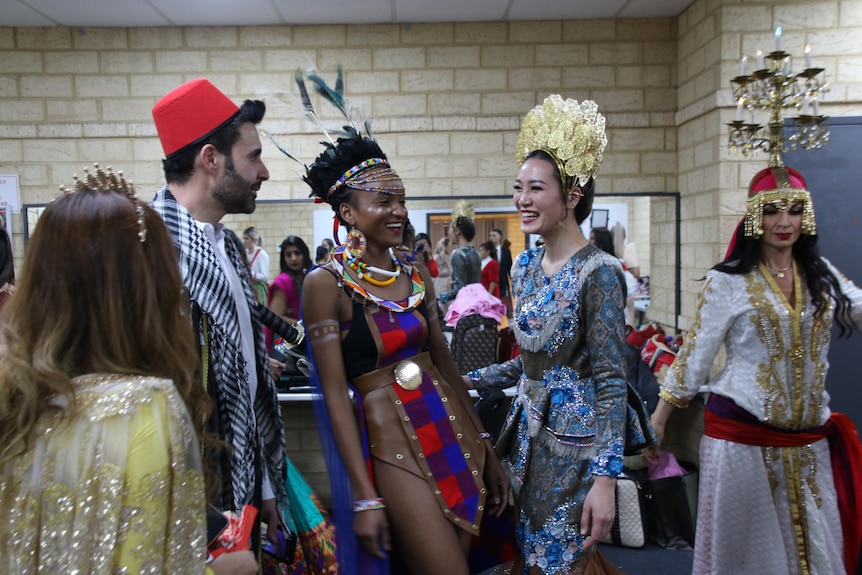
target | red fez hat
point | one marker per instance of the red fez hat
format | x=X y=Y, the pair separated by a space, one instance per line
x=191 y=113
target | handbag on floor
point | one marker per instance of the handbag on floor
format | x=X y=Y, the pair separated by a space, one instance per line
x=631 y=527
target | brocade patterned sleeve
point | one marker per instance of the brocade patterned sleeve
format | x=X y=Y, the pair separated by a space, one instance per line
x=713 y=318
x=497 y=376
x=603 y=304
x=459 y=272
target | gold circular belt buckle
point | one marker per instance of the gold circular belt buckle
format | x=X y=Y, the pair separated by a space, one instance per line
x=408 y=374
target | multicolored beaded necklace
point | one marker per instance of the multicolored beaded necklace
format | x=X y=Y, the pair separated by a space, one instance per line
x=417 y=291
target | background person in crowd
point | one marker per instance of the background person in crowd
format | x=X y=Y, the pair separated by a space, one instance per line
x=294 y=262
x=213 y=167
x=422 y=252
x=571 y=374
x=504 y=260
x=258 y=262
x=490 y=268
x=770 y=500
x=321 y=255
x=373 y=327
x=443 y=258
x=100 y=407
x=466 y=263
x=7 y=268
x=603 y=239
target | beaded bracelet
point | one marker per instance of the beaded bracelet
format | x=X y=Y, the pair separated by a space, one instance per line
x=484 y=435
x=368 y=504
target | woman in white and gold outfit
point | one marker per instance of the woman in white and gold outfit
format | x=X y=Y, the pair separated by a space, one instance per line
x=100 y=409
x=769 y=501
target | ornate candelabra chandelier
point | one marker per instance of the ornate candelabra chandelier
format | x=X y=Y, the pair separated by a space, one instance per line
x=771 y=88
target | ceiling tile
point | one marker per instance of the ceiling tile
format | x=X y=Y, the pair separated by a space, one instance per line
x=450 y=10
x=654 y=8
x=96 y=13
x=564 y=9
x=334 y=11
x=217 y=12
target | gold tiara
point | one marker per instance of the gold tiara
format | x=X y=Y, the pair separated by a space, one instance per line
x=570 y=132
x=107 y=181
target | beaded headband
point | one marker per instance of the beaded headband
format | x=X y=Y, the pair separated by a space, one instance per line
x=572 y=133
x=108 y=181
x=360 y=178
x=781 y=187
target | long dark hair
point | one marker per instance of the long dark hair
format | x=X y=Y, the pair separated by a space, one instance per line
x=296 y=276
x=588 y=190
x=822 y=283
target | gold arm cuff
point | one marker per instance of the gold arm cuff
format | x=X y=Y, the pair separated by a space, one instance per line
x=673 y=400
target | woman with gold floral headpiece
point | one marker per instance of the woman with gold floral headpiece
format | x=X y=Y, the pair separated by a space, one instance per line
x=562 y=444
x=100 y=406
x=410 y=464
x=465 y=261
x=770 y=501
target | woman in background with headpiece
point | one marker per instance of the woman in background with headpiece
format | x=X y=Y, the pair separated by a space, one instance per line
x=562 y=443
x=416 y=466
x=465 y=260
x=100 y=407
x=768 y=499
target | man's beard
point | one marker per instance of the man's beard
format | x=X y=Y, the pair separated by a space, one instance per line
x=234 y=192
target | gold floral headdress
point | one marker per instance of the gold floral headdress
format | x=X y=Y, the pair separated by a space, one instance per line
x=107 y=181
x=572 y=133
x=462 y=209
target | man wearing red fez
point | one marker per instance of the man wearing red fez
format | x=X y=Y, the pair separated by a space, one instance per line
x=213 y=167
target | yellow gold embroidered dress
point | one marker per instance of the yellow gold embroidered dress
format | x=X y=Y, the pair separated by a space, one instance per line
x=115 y=489
x=763 y=510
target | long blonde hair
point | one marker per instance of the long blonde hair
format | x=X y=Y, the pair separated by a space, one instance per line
x=92 y=297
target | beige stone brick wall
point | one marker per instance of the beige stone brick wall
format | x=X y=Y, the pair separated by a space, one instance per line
x=446 y=100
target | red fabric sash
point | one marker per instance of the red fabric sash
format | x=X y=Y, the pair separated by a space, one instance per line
x=845 y=455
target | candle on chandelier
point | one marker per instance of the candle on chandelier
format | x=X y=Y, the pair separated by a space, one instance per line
x=816 y=108
x=742 y=64
x=760 y=65
x=778 y=39
x=785 y=68
x=808 y=57
x=805 y=106
x=739 y=109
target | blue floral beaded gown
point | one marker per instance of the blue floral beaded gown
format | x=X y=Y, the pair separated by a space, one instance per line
x=568 y=420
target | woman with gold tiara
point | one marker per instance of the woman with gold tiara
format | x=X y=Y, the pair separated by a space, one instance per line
x=409 y=462
x=100 y=406
x=562 y=443
x=777 y=466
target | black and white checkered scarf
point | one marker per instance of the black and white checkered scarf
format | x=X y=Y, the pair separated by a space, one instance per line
x=243 y=426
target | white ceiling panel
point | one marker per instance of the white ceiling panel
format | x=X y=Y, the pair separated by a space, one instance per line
x=654 y=8
x=93 y=13
x=23 y=15
x=141 y=13
x=216 y=12
x=335 y=11
x=451 y=10
x=564 y=9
